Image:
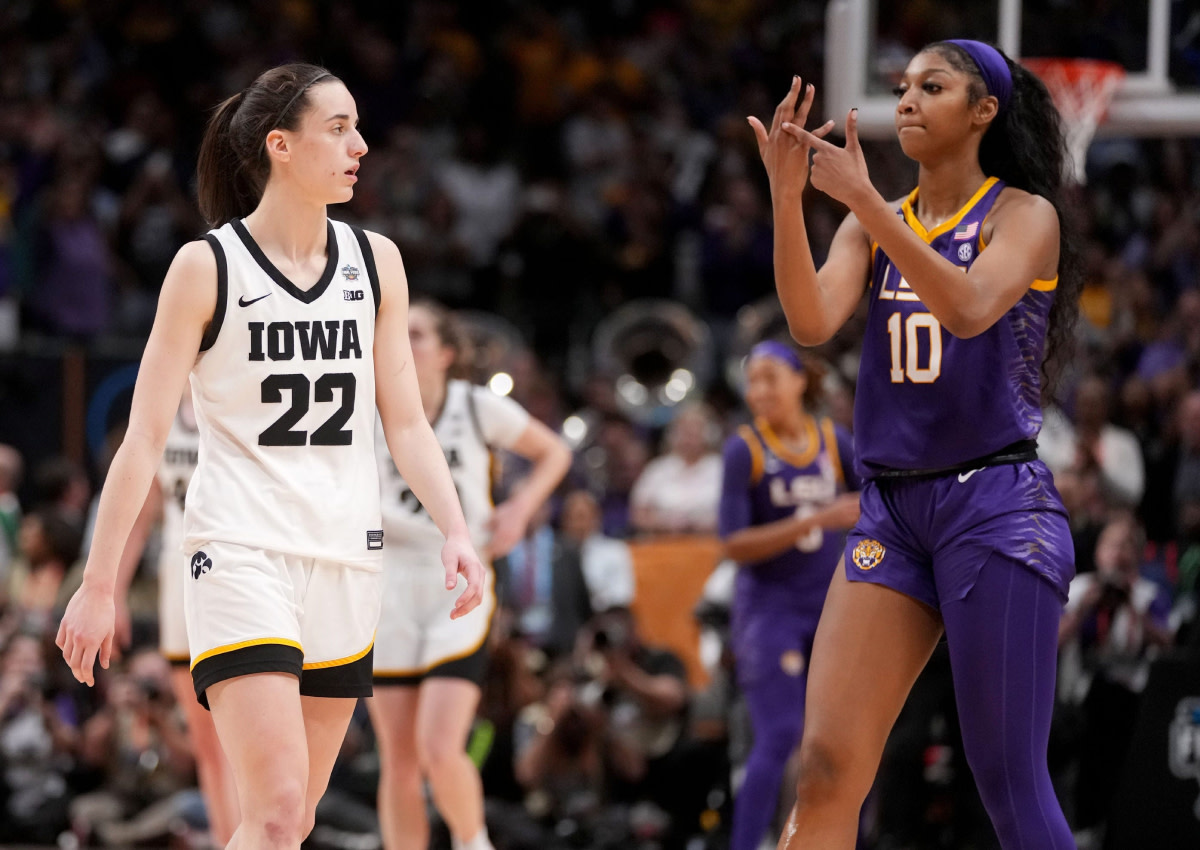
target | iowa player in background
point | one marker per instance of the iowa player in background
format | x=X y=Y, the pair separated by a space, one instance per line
x=285 y=320
x=164 y=506
x=429 y=669
x=969 y=280
x=787 y=497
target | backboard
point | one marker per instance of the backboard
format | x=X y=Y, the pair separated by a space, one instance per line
x=869 y=42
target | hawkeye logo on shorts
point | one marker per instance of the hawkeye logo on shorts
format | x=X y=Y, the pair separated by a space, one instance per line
x=867 y=554
x=201 y=564
x=374 y=540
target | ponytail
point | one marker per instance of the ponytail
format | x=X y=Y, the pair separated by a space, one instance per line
x=233 y=166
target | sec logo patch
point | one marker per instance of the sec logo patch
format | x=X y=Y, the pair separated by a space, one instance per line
x=867 y=554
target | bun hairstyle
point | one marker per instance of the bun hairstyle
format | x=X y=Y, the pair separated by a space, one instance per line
x=233 y=166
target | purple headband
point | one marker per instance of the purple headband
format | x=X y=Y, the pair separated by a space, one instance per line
x=780 y=351
x=992 y=67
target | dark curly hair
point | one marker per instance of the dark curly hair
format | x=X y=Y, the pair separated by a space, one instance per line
x=1025 y=148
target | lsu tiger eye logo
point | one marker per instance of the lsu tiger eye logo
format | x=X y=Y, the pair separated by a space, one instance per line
x=867 y=554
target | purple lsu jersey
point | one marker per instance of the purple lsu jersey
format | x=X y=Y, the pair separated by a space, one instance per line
x=926 y=399
x=765 y=482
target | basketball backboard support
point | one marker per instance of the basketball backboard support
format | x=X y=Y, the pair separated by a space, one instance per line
x=861 y=65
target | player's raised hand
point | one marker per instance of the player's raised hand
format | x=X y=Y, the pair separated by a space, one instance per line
x=86 y=631
x=840 y=173
x=459 y=558
x=784 y=155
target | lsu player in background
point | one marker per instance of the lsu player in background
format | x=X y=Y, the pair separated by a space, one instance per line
x=429 y=668
x=292 y=329
x=787 y=497
x=164 y=506
x=972 y=283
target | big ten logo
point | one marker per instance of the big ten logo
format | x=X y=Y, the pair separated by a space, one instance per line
x=1184 y=744
x=352 y=294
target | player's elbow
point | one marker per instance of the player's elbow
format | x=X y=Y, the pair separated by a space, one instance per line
x=807 y=331
x=965 y=324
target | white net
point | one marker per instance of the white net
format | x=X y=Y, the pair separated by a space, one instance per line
x=1082 y=91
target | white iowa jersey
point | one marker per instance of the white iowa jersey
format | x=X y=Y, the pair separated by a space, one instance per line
x=473 y=421
x=284 y=391
x=174 y=476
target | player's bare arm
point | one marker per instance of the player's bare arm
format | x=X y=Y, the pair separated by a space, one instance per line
x=410 y=438
x=186 y=305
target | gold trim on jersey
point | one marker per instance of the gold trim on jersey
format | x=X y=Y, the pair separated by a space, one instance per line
x=783 y=452
x=756 y=452
x=949 y=224
x=230 y=647
x=339 y=662
x=831 y=446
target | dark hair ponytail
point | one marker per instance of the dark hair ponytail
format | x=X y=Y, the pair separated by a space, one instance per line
x=1025 y=148
x=233 y=166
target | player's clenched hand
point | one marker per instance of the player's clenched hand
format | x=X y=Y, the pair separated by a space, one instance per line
x=459 y=558
x=87 y=631
x=841 y=173
x=784 y=155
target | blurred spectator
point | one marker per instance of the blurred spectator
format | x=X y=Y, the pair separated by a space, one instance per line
x=1093 y=442
x=597 y=143
x=545 y=587
x=567 y=762
x=680 y=491
x=63 y=483
x=485 y=193
x=1113 y=624
x=10 y=511
x=138 y=743
x=72 y=274
x=606 y=563
x=50 y=544
x=36 y=747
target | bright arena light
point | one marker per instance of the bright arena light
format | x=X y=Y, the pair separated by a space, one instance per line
x=574 y=429
x=632 y=390
x=684 y=377
x=501 y=383
x=675 y=390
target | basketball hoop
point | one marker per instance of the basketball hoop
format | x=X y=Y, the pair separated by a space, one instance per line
x=1082 y=89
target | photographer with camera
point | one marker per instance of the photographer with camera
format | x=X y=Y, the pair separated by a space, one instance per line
x=1114 y=623
x=36 y=747
x=138 y=742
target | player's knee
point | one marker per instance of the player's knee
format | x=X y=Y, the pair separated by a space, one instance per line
x=823 y=775
x=434 y=752
x=285 y=819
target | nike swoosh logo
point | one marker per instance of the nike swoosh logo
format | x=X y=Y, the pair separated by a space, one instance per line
x=242 y=302
x=963 y=476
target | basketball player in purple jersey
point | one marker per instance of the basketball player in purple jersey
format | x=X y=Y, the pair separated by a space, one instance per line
x=970 y=283
x=784 y=506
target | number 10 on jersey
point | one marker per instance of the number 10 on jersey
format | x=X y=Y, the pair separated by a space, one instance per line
x=906 y=338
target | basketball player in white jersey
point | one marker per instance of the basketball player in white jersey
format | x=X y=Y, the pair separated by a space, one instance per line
x=164 y=506
x=285 y=320
x=428 y=670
